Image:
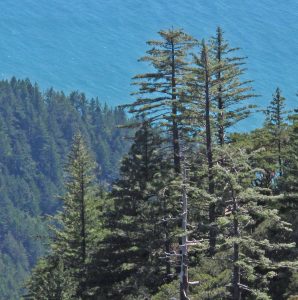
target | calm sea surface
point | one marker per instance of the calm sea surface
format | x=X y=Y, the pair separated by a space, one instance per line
x=93 y=45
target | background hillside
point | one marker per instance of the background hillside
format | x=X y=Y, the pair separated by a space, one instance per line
x=36 y=132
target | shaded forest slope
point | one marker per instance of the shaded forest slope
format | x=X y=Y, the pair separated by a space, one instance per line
x=36 y=131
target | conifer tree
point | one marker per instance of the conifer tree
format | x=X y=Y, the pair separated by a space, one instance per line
x=125 y=247
x=130 y=255
x=288 y=184
x=72 y=233
x=230 y=90
x=202 y=88
x=215 y=86
x=249 y=219
x=291 y=164
x=159 y=94
x=72 y=242
x=50 y=280
x=276 y=124
x=273 y=137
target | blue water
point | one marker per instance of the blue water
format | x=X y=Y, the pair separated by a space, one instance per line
x=93 y=45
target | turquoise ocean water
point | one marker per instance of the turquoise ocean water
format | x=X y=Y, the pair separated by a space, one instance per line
x=93 y=45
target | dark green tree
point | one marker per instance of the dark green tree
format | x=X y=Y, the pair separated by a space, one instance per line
x=251 y=235
x=276 y=123
x=288 y=183
x=215 y=87
x=72 y=240
x=202 y=88
x=231 y=91
x=129 y=258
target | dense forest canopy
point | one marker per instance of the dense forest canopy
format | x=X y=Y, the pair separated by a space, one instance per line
x=36 y=132
x=196 y=211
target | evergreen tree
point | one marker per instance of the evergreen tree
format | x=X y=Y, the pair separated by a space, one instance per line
x=36 y=131
x=215 y=87
x=288 y=183
x=160 y=90
x=202 y=86
x=129 y=257
x=273 y=138
x=276 y=123
x=266 y=161
x=71 y=242
x=50 y=281
x=250 y=220
x=251 y=237
x=235 y=202
x=291 y=165
x=231 y=92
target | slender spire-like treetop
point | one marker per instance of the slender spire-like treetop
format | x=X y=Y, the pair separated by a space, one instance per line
x=201 y=90
x=214 y=97
x=129 y=255
x=66 y=266
x=159 y=94
x=231 y=90
x=71 y=243
x=276 y=115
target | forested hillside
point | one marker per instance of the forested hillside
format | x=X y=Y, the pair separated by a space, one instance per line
x=198 y=212
x=36 y=131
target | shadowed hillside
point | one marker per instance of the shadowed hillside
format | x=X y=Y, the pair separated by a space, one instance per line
x=36 y=131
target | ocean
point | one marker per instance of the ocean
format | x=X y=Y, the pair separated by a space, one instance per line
x=93 y=45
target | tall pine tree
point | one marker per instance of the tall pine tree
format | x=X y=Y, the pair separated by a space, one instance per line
x=130 y=255
x=159 y=94
x=276 y=123
x=65 y=269
x=231 y=92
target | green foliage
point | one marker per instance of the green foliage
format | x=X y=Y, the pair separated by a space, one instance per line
x=50 y=280
x=289 y=180
x=158 y=95
x=232 y=93
x=129 y=258
x=36 y=132
x=253 y=226
x=214 y=275
x=292 y=291
x=160 y=98
x=64 y=272
x=232 y=212
x=277 y=128
x=168 y=291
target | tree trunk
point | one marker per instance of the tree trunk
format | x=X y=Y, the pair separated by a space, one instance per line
x=279 y=137
x=236 y=274
x=220 y=119
x=183 y=246
x=167 y=243
x=212 y=231
x=146 y=157
x=236 y=269
x=220 y=104
x=279 y=156
x=83 y=225
x=83 y=235
x=175 y=130
x=168 y=250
